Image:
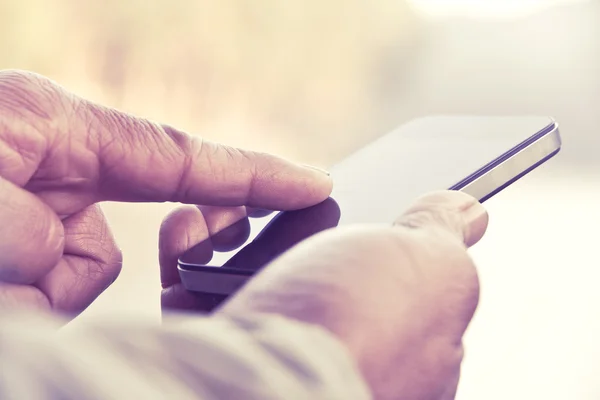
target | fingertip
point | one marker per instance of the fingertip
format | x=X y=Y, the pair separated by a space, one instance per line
x=315 y=186
x=181 y=229
x=279 y=184
x=322 y=179
x=454 y=211
x=178 y=221
x=476 y=223
x=192 y=234
x=228 y=227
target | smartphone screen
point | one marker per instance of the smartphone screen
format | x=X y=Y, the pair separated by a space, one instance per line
x=376 y=183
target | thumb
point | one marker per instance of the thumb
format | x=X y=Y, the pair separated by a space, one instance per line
x=450 y=211
x=398 y=297
x=429 y=237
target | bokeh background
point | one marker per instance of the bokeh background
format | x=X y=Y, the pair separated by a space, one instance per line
x=314 y=80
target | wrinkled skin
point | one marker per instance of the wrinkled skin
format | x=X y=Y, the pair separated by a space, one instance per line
x=398 y=297
x=60 y=155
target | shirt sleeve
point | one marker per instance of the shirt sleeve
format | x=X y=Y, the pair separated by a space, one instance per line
x=259 y=357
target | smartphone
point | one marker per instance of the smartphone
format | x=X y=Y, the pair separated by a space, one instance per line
x=477 y=155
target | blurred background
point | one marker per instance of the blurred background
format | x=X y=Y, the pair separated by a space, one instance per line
x=313 y=81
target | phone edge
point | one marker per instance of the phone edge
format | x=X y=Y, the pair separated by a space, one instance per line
x=544 y=145
x=512 y=165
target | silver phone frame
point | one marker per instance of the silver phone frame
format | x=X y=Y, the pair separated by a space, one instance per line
x=482 y=184
x=512 y=165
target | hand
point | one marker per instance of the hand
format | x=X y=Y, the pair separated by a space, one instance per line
x=192 y=234
x=399 y=297
x=60 y=155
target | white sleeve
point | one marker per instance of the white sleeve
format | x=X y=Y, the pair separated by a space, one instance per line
x=266 y=357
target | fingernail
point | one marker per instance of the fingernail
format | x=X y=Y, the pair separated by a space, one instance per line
x=474 y=213
x=321 y=170
x=476 y=218
x=442 y=208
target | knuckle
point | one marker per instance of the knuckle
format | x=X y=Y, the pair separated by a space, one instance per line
x=180 y=139
x=104 y=271
x=26 y=94
x=90 y=237
x=48 y=232
x=189 y=150
x=114 y=262
x=98 y=120
x=31 y=107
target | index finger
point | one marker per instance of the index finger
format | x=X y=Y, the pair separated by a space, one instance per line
x=144 y=161
x=103 y=154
